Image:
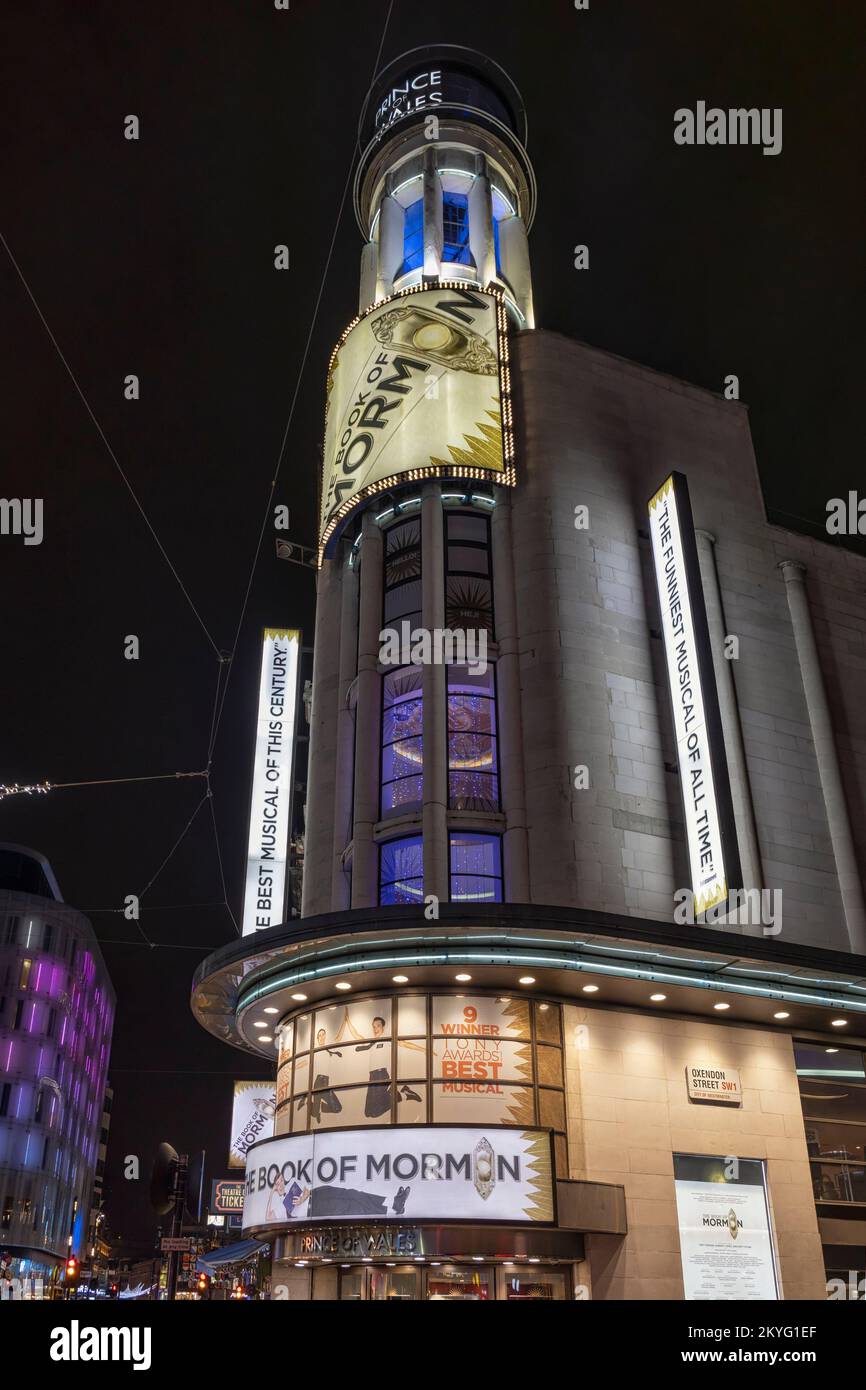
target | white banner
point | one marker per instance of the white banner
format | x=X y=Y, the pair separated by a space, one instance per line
x=253 y=1110
x=725 y=1243
x=397 y=1174
x=414 y=391
x=271 y=803
x=703 y=828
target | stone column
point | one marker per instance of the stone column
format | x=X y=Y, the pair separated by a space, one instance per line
x=511 y=771
x=838 y=819
x=481 y=242
x=390 y=256
x=365 y=887
x=738 y=772
x=319 y=818
x=514 y=254
x=434 y=819
x=340 y=895
x=433 y=232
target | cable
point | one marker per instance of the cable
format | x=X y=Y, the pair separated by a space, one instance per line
x=304 y=357
x=104 y=439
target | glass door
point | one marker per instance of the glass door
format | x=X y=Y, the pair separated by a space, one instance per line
x=473 y=1283
x=400 y=1284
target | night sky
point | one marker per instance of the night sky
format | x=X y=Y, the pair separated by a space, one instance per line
x=156 y=258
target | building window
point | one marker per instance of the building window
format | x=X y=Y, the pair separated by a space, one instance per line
x=496 y=245
x=473 y=764
x=26 y=966
x=402 y=742
x=5 y=1093
x=468 y=573
x=413 y=237
x=402 y=574
x=476 y=868
x=6 y=1220
x=19 y=1009
x=833 y=1096
x=455 y=229
x=401 y=871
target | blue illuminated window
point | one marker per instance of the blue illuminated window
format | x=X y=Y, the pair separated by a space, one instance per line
x=476 y=868
x=402 y=742
x=413 y=237
x=496 y=245
x=401 y=871
x=455 y=229
x=473 y=766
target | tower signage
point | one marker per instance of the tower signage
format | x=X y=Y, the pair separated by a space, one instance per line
x=271 y=800
x=707 y=806
x=418 y=387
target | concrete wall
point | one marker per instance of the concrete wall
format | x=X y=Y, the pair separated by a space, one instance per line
x=628 y=1114
x=596 y=430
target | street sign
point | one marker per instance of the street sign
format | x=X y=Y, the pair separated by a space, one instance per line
x=169 y=1243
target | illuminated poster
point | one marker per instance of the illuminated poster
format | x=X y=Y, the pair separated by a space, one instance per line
x=725 y=1243
x=691 y=679
x=253 y=1109
x=271 y=801
x=401 y=1174
x=484 y=1047
x=418 y=387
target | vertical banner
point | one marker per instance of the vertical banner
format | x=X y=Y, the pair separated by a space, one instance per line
x=273 y=769
x=703 y=768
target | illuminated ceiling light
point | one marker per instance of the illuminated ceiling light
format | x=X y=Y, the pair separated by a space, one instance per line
x=262 y=1038
x=828 y=1050
x=658 y=998
x=590 y=989
x=400 y=979
x=534 y=1260
x=260 y=1025
x=526 y=980
x=463 y=978
x=781 y=1014
x=721 y=1007
x=301 y=998
x=270 y=1010
x=342 y=984
x=478 y=1258
x=838 y=1023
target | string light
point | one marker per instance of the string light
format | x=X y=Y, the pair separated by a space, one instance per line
x=29 y=789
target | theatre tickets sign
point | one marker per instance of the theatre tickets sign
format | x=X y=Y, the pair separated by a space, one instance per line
x=418 y=387
x=404 y=1173
x=707 y=806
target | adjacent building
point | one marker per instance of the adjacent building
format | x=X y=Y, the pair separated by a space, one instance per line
x=571 y=690
x=56 y=1017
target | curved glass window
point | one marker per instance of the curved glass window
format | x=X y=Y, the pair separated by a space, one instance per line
x=476 y=868
x=402 y=574
x=455 y=229
x=402 y=743
x=401 y=871
x=468 y=573
x=473 y=765
x=413 y=237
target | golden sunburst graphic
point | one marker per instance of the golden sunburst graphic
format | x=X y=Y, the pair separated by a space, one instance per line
x=483 y=450
x=539 y=1176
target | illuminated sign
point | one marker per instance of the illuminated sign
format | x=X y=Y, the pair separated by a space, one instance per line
x=726 y=1244
x=709 y=819
x=253 y=1109
x=226 y=1195
x=418 y=387
x=714 y=1083
x=271 y=801
x=401 y=1173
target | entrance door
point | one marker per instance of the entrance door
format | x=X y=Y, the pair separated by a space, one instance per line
x=400 y=1284
x=472 y=1283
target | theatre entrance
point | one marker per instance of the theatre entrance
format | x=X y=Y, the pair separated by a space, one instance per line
x=475 y=1282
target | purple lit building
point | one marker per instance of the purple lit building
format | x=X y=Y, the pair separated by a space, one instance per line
x=56 y=1017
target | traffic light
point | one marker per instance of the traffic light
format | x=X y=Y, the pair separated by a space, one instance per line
x=202 y=1283
x=113 y=1291
x=71 y=1270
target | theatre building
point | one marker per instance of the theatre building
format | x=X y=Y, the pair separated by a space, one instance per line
x=576 y=1006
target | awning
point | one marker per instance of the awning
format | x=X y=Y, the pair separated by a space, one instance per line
x=229 y=1255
